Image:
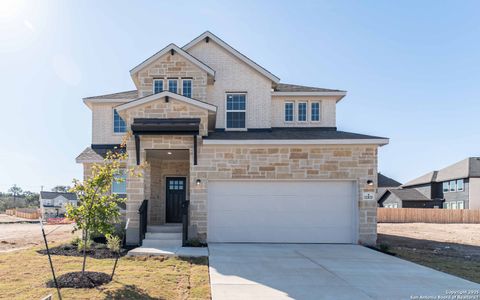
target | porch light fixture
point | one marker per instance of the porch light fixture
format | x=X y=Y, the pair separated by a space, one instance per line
x=370 y=182
x=169 y=153
x=198 y=182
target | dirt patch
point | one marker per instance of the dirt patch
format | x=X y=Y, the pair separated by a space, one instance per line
x=69 y=250
x=78 y=280
x=20 y=236
x=451 y=248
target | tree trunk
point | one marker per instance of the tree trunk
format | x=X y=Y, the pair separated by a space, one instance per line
x=85 y=238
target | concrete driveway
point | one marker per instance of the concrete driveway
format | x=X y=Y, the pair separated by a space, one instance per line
x=300 y=271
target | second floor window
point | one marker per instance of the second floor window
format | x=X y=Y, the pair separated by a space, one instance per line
x=288 y=111
x=173 y=85
x=235 y=111
x=302 y=111
x=120 y=187
x=315 y=111
x=452 y=186
x=460 y=186
x=446 y=188
x=119 y=124
x=157 y=86
x=187 y=88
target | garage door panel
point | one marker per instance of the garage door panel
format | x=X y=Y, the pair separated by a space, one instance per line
x=281 y=211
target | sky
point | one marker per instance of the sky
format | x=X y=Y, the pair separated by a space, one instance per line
x=411 y=69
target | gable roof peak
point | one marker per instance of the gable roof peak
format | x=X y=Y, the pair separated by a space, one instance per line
x=233 y=51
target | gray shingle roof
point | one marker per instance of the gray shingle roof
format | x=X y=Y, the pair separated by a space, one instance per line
x=409 y=195
x=320 y=133
x=384 y=181
x=469 y=167
x=286 y=87
x=120 y=95
x=96 y=153
x=53 y=195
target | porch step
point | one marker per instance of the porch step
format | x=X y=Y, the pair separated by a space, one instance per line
x=167 y=228
x=159 y=244
x=163 y=236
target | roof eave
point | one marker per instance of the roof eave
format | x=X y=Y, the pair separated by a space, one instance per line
x=338 y=94
x=379 y=142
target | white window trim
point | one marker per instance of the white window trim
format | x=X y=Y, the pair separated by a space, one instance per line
x=463 y=185
x=191 y=86
x=460 y=202
x=306 y=111
x=113 y=124
x=319 y=112
x=153 y=85
x=168 y=85
x=245 y=111
x=285 y=110
x=448 y=187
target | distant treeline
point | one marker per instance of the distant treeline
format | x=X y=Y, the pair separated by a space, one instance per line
x=16 y=197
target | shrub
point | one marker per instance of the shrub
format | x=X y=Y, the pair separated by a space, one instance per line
x=113 y=243
x=88 y=245
x=195 y=243
x=75 y=241
x=384 y=248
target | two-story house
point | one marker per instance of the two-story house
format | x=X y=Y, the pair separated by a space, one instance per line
x=53 y=204
x=233 y=154
x=454 y=187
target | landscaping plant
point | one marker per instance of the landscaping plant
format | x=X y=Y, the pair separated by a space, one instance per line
x=98 y=208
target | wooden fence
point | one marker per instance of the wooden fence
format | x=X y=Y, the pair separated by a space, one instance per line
x=427 y=215
x=25 y=213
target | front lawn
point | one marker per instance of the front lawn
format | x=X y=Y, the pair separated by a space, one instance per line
x=24 y=274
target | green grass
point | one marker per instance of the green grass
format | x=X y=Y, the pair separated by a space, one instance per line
x=24 y=274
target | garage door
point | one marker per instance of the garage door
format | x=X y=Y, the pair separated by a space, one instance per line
x=281 y=211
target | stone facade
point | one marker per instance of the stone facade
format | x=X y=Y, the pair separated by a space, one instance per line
x=173 y=66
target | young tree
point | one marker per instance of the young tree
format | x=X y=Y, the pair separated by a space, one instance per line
x=98 y=209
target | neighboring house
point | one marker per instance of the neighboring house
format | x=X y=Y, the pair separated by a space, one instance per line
x=454 y=187
x=406 y=198
x=256 y=160
x=384 y=183
x=53 y=204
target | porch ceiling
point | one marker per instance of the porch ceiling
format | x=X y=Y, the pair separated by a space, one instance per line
x=167 y=154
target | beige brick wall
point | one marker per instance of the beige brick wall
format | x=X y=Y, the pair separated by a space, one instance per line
x=233 y=75
x=102 y=124
x=174 y=66
x=327 y=111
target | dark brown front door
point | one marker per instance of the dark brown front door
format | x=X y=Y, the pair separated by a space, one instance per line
x=176 y=194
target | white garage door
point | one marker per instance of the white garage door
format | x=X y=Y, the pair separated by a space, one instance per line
x=281 y=211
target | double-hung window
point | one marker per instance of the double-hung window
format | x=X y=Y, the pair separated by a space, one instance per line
x=289 y=107
x=173 y=85
x=460 y=186
x=157 y=86
x=235 y=112
x=119 y=124
x=302 y=111
x=315 y=112
x=446 y=187
x=119 y=184
x=452 y=186
x=187 y=87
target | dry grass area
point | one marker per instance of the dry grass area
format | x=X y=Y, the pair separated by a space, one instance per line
x=450 y=248
x=24 y=274
x=17 y=236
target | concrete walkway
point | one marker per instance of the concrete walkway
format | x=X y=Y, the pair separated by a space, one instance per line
x=293 y=271
x=169 y=251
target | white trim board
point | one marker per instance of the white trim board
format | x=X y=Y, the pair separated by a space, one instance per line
x=380 y=142
x=233 y=51
x=163 y=94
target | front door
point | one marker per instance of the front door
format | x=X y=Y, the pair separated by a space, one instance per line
x=176 y=194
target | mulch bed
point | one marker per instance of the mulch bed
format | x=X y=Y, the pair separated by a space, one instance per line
x=69 y=250
x=78 y=280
